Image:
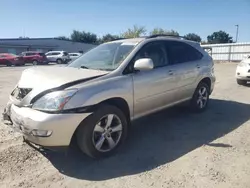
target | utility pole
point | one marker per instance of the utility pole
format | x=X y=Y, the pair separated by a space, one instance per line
x=237 y=32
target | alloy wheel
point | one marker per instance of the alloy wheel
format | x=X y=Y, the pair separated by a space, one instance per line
x=107 y=133
x=202 y=97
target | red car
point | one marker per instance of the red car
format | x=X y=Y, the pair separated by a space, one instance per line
x=10 y=59
x=34 y=57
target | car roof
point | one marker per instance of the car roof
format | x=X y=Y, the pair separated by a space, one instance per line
x=156 y=37
x=32 y=52
x=7 y=54
x=132 y=40
x=56 y=51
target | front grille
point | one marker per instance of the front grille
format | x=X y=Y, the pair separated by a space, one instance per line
x=20 y=93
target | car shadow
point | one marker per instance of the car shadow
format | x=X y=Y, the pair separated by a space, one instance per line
x=156 y=140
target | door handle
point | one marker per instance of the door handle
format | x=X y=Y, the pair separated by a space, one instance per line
x=170 y=72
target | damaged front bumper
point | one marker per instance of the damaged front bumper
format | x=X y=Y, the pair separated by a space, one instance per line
x=43 y=129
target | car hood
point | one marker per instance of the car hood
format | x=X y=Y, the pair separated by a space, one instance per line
x=40 y=79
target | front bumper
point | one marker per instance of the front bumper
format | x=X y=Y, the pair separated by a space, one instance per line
x=242 y=73
x=27 y=121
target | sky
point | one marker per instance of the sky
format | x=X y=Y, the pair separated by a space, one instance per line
x=52 y=18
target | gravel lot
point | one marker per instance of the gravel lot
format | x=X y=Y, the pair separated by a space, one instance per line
x=173 y=148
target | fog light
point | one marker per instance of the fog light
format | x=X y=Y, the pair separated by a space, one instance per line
x=41 y=133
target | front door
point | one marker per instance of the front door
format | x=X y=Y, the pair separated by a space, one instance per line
x=153 y=89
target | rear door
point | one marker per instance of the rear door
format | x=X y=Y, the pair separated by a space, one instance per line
x=28 y=57
x=186 y=64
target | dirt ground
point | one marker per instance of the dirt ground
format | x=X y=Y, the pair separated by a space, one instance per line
x=174 y=148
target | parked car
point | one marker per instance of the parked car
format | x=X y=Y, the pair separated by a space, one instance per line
x=34 y=57
x=58 y=56
x=243 y=71
x=96 y=97
x=74 y=56
x=10 y=59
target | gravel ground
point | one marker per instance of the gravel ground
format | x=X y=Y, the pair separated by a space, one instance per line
x=173 y=148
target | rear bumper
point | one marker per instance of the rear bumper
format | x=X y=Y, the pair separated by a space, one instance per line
x=55 y=130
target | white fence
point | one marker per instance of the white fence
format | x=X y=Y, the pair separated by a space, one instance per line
x=229 y=52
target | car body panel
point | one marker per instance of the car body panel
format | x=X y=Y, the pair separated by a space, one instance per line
x=53 y=56
x=6 y=58
x=30 y=56
x=243 y=70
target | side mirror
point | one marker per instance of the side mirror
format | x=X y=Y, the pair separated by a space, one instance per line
x=144 y=64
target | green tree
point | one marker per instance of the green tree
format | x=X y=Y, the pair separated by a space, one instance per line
x=83 y=36
x=219 y=37
x=134 y=32
x=193 y=37
x=108 y=37
x=157 y=31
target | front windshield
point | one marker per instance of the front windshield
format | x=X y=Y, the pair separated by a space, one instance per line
x=106 y=56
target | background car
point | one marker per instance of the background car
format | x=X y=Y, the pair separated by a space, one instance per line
x=58 y=56
x=34 y=57
x=243 y=71
x=10 y=59
x=74 y=56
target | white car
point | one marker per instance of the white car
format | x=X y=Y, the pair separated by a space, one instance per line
x=58 y=56
x=74 y=56
x=243 y=71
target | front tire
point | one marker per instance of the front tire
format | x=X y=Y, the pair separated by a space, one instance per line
x=241 y=82
x=100 y=134
x=200 y=97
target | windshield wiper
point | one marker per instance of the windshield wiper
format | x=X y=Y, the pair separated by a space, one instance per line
x=84 y=67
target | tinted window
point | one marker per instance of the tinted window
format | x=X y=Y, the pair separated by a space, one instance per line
x=154 y=51
x=41 y=54
x=29 y=54
x=179 y=52
x=55 y=53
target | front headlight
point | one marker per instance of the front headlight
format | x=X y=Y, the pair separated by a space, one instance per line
x=54 y=101
x=242 y=64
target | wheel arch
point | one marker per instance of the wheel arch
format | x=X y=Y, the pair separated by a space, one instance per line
x=114 y=101
x=207 y=81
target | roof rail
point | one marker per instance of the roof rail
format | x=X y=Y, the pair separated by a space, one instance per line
x=165 y=35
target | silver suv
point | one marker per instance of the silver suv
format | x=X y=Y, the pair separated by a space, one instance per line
x=96 y=97
x=58 y=56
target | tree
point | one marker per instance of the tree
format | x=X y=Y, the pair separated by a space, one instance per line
x=134 y=32
x=108 y=37
x=83 y=36
x=219 y=37
x=193 y=37
x=157 y=31
x=62 y=38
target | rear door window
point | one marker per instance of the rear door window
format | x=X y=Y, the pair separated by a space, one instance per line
x=180 y=52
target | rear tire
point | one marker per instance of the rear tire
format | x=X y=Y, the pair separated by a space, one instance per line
x=100 y=134
x=59 y=61
x=200 y=98
x=35 y=62
x=241 y=82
